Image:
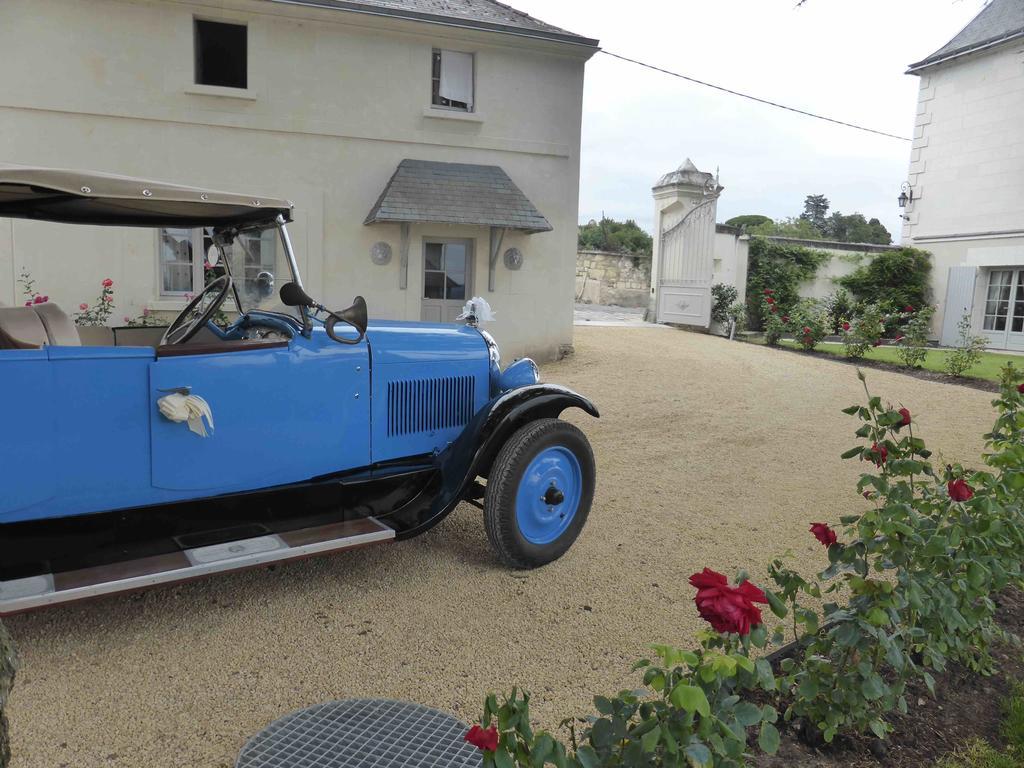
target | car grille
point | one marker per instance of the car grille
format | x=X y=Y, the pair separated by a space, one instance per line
x=428 y=405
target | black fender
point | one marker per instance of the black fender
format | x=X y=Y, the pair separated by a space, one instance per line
x=473 y=453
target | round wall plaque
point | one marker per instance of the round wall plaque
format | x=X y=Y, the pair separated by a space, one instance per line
x=513 y=258
x=380 y=253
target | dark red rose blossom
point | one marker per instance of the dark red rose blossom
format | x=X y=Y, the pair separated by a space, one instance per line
x=959 y=490
x=806 y=329
x=483 y=739
x=770 y=300
x=768 y=291
x=785 y=318
x=1020 y=388
x=846 y=326
x=906 y=417
x=726 y=608
x=879 y=454
x=824 y=534
x=867 y=495
x=908 y=308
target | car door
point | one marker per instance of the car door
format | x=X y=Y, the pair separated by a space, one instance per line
x=282 y=413
x=29 y=465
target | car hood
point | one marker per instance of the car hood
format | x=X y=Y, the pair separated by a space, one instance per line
x=394 y=341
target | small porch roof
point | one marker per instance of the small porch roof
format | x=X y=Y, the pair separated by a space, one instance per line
x=426 y=192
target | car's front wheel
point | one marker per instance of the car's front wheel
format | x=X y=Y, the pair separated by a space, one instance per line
x=539 y=493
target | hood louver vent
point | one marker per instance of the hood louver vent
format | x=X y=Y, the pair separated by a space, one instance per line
x=429 y=405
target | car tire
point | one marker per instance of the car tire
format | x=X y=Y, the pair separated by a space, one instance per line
x=539 y=493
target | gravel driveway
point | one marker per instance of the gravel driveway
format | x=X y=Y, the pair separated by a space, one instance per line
x=709 y=452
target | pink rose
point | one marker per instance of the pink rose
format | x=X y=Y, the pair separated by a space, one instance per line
x=83 y=307
x=107 y=283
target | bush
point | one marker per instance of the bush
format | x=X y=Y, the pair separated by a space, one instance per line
x=723 y=297
x=968 y=349
x=917 y=568
x=774 y=325
x=863 y=332
x=737 y=314
x=780 y=268
x=809 y=322
x=893 y=280
x=912 y=345
x=615 y=236
x=839 y=306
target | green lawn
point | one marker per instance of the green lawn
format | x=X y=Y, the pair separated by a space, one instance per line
x=987 y=369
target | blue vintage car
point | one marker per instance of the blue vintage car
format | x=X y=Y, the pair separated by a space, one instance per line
x=290 y=431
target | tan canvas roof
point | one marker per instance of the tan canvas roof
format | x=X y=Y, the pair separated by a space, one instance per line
x=88 y=197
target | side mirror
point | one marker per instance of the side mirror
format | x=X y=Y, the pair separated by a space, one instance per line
x=292 y=295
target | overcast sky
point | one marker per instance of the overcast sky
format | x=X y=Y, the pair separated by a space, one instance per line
x=841 y=58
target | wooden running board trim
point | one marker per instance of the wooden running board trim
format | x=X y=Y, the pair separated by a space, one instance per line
x=51 y=589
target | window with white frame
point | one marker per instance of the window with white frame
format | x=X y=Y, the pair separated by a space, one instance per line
x=997 y=299
x=183 y=269
x=451 y=80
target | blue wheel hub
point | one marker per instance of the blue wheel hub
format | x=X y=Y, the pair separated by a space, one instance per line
x=549 y=495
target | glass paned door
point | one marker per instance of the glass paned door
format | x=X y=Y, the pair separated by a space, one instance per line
x=447 y=268
x=1003 y=322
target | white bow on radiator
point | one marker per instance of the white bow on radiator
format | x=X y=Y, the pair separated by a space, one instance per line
x=192 y=409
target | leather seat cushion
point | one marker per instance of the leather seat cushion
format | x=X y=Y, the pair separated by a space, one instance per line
x=59 y=327
x=23 y=324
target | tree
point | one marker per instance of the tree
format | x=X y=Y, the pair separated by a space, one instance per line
x=615 y=236
x=801 y=229
x=748 y=220
x=815 y=210
x=856 y=229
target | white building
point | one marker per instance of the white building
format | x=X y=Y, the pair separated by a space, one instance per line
x=431 y=149
x=966 y=175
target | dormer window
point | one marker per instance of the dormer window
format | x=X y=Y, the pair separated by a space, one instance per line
x=452 y=80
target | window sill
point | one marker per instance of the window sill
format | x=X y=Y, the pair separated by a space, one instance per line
x=173 y=304
x=452 y=114
x=245 y=94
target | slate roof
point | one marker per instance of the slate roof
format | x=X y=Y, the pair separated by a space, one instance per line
x=481 y=14
x=999 y=21
x=422 y=192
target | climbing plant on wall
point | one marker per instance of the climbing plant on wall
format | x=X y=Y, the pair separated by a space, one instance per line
x=781 y=268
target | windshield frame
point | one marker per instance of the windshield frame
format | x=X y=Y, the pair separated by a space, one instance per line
x=226 y=237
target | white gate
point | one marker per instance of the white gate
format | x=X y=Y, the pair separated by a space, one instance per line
x=959 y=301
x=686 y=265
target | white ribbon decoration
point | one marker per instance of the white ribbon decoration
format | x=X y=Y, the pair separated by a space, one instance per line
x=478 y=308
x=192 y=409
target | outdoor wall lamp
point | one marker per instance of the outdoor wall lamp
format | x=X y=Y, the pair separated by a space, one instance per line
x=906 y=197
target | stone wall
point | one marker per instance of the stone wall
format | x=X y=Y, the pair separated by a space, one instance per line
x=612 y=278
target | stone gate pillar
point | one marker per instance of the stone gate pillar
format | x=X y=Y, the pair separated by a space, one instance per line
x=683 y=254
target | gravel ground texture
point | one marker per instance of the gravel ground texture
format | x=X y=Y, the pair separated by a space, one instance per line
x=709 y=453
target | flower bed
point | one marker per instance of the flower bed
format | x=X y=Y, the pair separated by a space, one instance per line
x=919 y=568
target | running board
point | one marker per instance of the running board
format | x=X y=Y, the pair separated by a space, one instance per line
x=48 y=589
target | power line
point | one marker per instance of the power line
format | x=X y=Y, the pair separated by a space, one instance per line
x=754 y=98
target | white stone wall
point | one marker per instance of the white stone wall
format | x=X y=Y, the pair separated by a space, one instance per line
x=967 y=163
x=335 y=101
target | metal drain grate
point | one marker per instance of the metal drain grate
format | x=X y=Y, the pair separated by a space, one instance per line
x=362 y=733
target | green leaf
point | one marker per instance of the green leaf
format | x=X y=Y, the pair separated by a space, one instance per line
x=541 y=751
x=852 y=452
x=743 y=662
x=588 y=757
x=768 y=739
x=765 y=676
x=748 y=714
x=503 y=759
x=601 y=733
x=603 y=705
x=698 y=755
x=873 y=687
x=691 y=698
x=649 y=741
x=878 y=728
x=808 y=688
x=851 y=410
x=778 y=607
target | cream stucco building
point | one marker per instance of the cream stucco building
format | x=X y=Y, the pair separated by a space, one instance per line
x=966 y=175
x=341 y=107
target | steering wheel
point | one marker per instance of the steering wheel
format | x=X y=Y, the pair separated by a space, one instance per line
x=198 y=312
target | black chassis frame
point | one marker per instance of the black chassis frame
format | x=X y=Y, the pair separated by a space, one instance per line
x=410 y=495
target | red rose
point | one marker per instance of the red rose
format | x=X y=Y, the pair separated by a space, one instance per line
x=867 y=495
x=1020 y=388
x=823 y=533
x=906 y=417
x=908 y=308
x=725 y=608
x=483 y=739
x=768 y=291
x=83 y=307
x=770 y=300
x=107 y=283
x=879 y=454
x=959 y=490
x=785 y=319
x=773 y=308
x=846 y=326
x=806 y=329
x=28 y=303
